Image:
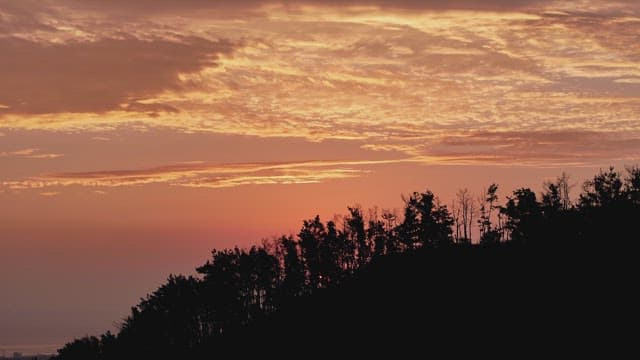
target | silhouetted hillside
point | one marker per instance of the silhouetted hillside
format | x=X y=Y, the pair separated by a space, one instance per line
x=465 y=301
x=546 y=278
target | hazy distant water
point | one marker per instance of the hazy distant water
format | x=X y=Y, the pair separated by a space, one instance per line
x=28 y=349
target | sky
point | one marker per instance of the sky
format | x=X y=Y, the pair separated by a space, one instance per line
x=136 y=136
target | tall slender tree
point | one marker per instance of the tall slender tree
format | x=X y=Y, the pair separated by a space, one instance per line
x=311 y=235
x=294 y=276
x=488 y=234
x=358 y=234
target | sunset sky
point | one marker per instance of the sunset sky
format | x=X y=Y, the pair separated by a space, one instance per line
x=137 y=135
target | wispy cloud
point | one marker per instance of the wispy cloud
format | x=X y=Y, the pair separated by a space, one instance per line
x=278 y=177
x=49 y=193
x=198 y=174
x=628 y=80
x=30 y=153
x=522 y=149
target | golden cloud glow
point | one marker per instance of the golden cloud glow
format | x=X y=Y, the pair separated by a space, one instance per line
x=198 y=174
x=429 y=82
x=49 y=193
x=31 y=153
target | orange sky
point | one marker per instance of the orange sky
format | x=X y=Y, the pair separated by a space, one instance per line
x=137 y=135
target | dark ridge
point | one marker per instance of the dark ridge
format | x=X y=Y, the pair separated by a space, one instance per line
x=547 y=278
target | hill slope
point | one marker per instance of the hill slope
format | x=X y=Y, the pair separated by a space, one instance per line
x=509 y=299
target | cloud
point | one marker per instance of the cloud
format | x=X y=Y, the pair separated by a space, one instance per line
x=98 y=76
x=197 y=174
x=410 y=149
x=537 y=148
x=502 y=148
x=147 y=6
x=279 y=177
x=49 y=193
x=24 y=16
x=628 y=81
x=518 y=148
x=446 y=87
x=30 y=153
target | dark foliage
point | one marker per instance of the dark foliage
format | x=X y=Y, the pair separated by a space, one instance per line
x=388 y=286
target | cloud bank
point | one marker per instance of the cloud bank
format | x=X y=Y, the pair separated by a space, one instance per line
x=533 y=83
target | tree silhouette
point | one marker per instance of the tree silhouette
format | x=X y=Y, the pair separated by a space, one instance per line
x=467 y=209
x=488 y=203
x=410 y=228
x=632 y=184
x=377 y=235
x=330 y=247
x=358 y=234
x=86 y=348
x=605 y=189
x=311 y=235
x=335 y=286
x=523 y=215
x=294 y=277
x=551 y=198
x=426 y=223
x=456 y=214
x=392 y=244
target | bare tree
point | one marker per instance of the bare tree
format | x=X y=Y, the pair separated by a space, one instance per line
x=466 y=207
x=564 y=187
x=556 y=193
x=457 y=218
x=471 y=212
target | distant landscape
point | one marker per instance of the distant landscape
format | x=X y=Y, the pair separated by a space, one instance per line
x=20 y=356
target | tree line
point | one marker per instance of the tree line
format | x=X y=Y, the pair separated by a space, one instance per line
x=239 y=287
